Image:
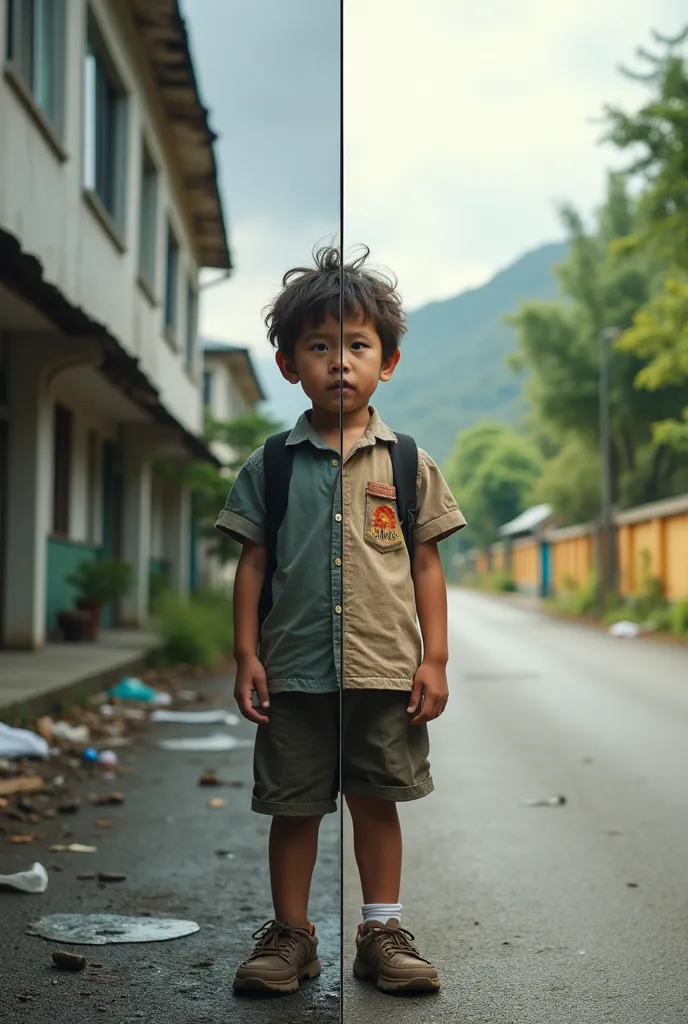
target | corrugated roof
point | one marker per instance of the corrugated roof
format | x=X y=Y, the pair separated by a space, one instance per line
x=527 y=521
x=163 y=29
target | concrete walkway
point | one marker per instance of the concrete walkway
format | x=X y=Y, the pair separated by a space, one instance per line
x=32 y=681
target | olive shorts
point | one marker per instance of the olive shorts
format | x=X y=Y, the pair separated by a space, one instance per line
x=297 y=762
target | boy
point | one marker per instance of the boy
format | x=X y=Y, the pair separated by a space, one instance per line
x=345 y=609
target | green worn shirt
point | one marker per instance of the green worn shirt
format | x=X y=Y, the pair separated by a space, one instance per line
x=300 y=645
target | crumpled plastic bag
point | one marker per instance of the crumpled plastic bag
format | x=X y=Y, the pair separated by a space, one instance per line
x=16 y=743
x=34 y=880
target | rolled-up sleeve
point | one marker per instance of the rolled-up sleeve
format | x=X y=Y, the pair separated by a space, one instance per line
x=439 y=516
x=244 y=512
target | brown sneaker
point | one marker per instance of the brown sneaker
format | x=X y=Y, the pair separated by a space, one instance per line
x=386 y=955
x=284 y=956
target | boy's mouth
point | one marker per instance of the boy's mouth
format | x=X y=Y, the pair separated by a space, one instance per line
x=342 y=385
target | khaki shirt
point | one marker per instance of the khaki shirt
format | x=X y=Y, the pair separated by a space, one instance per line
x=344 y=611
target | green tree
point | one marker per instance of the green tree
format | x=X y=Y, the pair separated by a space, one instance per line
x=657 y=133
x=603 y=284
x=492 y=472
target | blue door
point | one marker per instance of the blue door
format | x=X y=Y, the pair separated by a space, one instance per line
x=544 y=569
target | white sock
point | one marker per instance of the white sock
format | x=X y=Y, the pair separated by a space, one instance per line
x=382 y=912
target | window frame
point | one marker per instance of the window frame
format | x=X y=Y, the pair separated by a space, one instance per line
x=105 y=145
x=191 y=324
x=148 y=220
x=23 y=37
x=172 y=278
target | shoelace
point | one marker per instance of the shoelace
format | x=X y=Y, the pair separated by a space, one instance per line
x=276 y=938
x=397 y=940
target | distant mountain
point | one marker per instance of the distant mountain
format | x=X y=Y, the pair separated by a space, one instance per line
x=453 y=370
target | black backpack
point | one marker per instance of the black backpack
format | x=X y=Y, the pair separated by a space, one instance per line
x=277 y=466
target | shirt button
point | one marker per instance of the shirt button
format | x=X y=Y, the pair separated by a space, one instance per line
x=338 y=609
x=338 y=517
x=337 y=561
x=335 y=462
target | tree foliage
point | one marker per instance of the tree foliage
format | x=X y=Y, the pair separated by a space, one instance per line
x=491 y=471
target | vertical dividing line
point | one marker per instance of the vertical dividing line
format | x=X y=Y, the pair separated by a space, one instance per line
x=341 y=498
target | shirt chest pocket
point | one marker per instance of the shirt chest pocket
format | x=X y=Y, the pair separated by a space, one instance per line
x=382 y=530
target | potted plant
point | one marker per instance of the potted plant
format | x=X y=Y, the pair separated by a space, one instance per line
x=99 y=583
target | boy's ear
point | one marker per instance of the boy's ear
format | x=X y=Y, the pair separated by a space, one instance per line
x=389 y=365
x=287 y=368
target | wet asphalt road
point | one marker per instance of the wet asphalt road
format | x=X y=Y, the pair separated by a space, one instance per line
x=555 y=915
x=172 y=870
x=534 y=915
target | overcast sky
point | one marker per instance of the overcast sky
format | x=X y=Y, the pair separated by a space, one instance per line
x=465 y=124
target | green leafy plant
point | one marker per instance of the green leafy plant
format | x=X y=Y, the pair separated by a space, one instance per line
x=195 y=631
x=101 y=582
x=679 y=618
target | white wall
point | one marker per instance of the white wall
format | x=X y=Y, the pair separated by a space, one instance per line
x=42 y=203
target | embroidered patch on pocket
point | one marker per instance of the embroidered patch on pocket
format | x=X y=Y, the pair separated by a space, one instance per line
x=382 y=529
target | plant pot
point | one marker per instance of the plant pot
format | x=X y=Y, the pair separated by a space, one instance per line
x=94 y=610
x=75 y=625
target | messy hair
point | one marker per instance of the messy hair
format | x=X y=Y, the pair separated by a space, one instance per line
x=310 y=294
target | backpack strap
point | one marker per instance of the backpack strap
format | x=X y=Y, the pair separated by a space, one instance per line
x=404 y=455
x=278 y=458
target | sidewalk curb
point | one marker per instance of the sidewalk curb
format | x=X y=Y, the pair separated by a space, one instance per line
x=93 y=682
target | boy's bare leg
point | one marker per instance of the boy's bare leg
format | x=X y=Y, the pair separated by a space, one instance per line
x=293 y=852
x=378 y=847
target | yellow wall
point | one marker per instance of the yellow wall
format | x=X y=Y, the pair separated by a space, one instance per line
x=573 y=559
x=525 y=564
x=664 y=538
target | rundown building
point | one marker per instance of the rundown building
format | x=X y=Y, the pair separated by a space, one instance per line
x=109 y=208
x=231 y=389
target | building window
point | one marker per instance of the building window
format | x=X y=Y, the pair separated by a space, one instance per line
x=148 y=219
x=36 y=50
x=208 y=388
x=62 y=469
x=105 y=143
x=191 y=324
x=172 y=282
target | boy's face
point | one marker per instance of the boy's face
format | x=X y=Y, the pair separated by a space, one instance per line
x=321 y=362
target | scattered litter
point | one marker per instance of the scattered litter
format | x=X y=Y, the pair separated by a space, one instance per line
x=216 y=743
x=107 y=799
x=76 y=734
x=612 y=832
x=188 y=696
x=21 y=839
x=111 y=876
x=203 y=963
x=625 y=629
x=632 y=885
x=216 y=803
x=209 y=778
x=162 y=699
x=130 y=688
x=34 y=880
x=21 y=784
x=69 y=807
x=225 y=853
x=95 y=964
x=15 y=743
x=108 y=757
x=87 y=877
x=99 y=929
x=73 y=848
x=90 y=754
x=105 y=823
x=218 y=717
x=69 y=961
x=552 y=801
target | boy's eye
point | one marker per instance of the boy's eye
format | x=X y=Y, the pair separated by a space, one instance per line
x=319 y=346
x=358 y=345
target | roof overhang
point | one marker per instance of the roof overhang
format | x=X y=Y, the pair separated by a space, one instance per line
x=239 y=360
x=166 y=40
x=23 y=274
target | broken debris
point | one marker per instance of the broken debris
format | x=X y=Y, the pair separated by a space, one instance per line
x=100 y=929
x=16 y=743
x=73 y=848
x=551 y=801
x=216 y=743
x=35 y=880
x=69 y=961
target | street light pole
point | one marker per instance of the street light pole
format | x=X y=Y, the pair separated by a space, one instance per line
x=607 y=559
